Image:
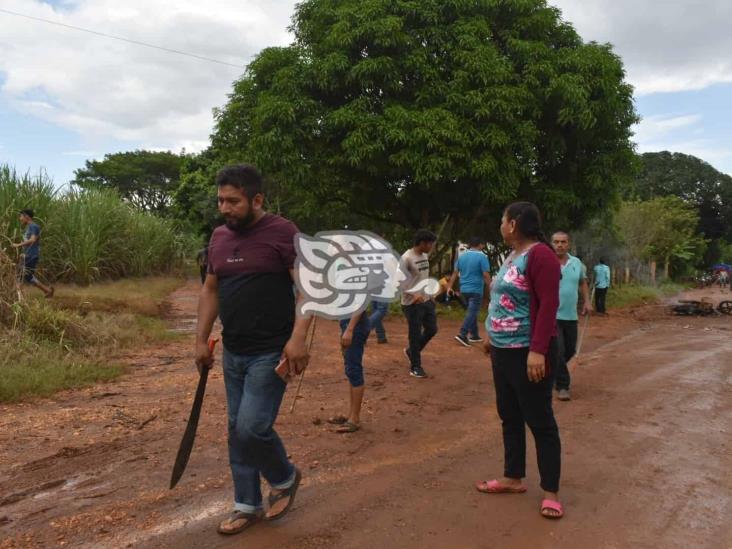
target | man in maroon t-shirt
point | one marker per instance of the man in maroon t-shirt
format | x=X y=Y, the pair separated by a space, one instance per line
x=249 y=285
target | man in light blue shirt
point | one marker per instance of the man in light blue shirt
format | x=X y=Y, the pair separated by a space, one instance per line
x=473 y=269
x=602 y=283
x=574 y=280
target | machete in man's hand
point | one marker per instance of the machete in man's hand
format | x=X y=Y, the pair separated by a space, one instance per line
x=186 y=445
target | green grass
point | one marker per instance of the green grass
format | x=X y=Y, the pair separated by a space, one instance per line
x=71 y=341
x=141 y=296
x=632 y=295
x=31 y=368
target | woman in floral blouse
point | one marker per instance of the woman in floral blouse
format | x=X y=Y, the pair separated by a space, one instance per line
x=521 y=324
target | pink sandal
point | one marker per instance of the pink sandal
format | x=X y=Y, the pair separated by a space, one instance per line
x=549 y=504
x=495 y=487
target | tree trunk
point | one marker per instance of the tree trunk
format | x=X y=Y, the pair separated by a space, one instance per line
x=627 y=274
x=667 y=268
x=653 y=273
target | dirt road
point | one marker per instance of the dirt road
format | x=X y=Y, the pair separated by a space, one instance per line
x=646 y=447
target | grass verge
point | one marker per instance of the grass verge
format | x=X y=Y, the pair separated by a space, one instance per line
x=632 y=295
x=71 y=341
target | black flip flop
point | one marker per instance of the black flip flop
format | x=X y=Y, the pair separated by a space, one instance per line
x=288 y=493
x=348 y=427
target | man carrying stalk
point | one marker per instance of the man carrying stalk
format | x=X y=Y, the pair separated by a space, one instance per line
x=32 y=244
x=249 y=285
x=574 y=279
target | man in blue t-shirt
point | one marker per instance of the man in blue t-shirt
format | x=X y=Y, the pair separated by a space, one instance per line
x=573 y=281
x=473 y=269
x=602 y=283
x=32 y=244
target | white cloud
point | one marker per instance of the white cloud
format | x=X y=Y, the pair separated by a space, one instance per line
x=654 y=128
x=667 y=45
x=86 y=154
x=104 y=88
x=680 y=133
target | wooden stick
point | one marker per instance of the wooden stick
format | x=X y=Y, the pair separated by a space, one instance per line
x=308 y=343
x=575 y=358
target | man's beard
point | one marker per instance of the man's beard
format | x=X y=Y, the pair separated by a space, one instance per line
x=240 y=223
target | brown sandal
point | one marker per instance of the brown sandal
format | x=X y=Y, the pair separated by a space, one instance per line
x=251 y=519
x=337 y=420
x=282 y=494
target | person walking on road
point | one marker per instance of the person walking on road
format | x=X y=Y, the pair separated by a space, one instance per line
x=473 y=268
x=521 y=324
x=31 y=245
x=202 y=262
x=573 y=281
x=376 y=320
x=418 y=307
x=249 y=286
x=602 y=284
x=354 y=334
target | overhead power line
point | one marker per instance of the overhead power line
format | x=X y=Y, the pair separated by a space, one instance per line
x=121 y=38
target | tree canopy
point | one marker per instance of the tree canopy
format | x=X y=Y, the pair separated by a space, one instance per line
x=405 y=111
x=147 y=179
x=694 y=181
x=662 y=229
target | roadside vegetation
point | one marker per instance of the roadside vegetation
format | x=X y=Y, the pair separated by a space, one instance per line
x=90 y=234
x=49 y=345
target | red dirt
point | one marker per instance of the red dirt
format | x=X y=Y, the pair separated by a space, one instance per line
x=646 y=449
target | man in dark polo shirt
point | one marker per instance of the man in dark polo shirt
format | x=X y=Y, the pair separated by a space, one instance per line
x=32 y=244
x=249 y=285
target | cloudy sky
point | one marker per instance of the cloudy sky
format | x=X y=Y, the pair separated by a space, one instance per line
x=67 y=96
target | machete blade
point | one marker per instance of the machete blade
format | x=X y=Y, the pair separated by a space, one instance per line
x=189 y=437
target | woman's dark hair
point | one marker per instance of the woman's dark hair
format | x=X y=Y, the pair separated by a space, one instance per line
x=27 y=212
x=527 y=218
x=242 y=176
x=423 y=235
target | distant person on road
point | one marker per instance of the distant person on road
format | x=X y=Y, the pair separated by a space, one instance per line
x=354 y=334
x=202 y=261
x=723 y=279
x=418 y=307
x=521 y=324
x=249 y=286
x=473 y=269
x=573 y=281
x=602 y=283
x=31 y=246
x=376 y=320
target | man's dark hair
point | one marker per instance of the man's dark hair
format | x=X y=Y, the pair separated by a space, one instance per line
x=602 y=260
x=28 y=212
x=423 y=235
x=242 y=176
x=475 y=241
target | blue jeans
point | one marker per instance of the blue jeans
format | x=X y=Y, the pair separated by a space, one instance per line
x=253 y=396
x=378 y=312
x=353 y=355
x=29 y=270
x=470 y=324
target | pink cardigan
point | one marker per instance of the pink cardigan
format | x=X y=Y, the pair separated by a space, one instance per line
x=543 y=273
